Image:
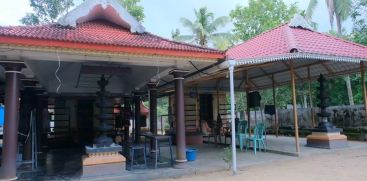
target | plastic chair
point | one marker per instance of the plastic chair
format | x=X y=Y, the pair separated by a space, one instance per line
x=241 y=133
x=258 y=138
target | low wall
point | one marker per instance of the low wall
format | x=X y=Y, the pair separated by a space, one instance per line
x=350 y=118
x=342 y=116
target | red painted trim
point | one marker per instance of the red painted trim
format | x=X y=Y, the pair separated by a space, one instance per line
x=108 y=48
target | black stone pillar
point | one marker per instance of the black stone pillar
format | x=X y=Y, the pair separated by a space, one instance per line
x=27 y=104
x=41 y=104
x=153 y=106
x=10 y=138
x=180 y=115
x=126 y=119
x=137 y=100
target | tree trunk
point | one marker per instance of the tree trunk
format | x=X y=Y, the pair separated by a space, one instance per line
x=346 y=78
x=349 y=90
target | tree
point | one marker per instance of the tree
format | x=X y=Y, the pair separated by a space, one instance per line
x=340 y=10
x=204 y=27
x=359 y=14
x=134 y=9
x=46 y=11
x=260 y=16
x=308 y=13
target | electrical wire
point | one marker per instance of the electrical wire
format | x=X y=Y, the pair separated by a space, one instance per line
x=56 y=73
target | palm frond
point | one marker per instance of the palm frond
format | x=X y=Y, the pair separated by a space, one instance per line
x=185 y=38
x=310 y=9
x=186 y=23
x=219 y=22
x=222 y=35
x=343 y=8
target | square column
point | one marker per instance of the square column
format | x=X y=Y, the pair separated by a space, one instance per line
x=10 y=138
x=152 y=87
x=137 y=100
x=180 y=115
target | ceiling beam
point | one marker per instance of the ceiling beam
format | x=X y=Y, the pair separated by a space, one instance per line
x=104 y=70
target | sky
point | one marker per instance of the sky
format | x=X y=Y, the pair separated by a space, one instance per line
x=163 y=16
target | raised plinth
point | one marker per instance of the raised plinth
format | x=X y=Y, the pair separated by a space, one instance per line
x=101 y=161
x=328 y=140
x=102 y=158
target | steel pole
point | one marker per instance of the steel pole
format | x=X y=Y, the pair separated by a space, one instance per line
x=233 y=125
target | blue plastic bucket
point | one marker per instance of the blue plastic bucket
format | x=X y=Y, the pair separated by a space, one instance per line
x=191 y=154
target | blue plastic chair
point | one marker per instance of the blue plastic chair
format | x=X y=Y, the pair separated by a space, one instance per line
x=241 y=133
x=258 y=138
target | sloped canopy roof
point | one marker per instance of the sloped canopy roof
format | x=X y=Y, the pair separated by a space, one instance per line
x=284 y=40
x=266 y=59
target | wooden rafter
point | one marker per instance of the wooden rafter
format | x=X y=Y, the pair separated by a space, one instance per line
x=312 y=78
x=270 y=76
x=327 y=68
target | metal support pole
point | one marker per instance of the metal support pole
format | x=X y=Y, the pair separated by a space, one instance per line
x=294 y=102
x=180 y=115
x=10 y=138
x=232 y=63
x=364 y=87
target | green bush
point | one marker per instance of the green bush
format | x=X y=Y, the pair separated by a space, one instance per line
x=227 y=156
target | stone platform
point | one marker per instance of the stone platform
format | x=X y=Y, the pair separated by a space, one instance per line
x=327 y=140
x=102 y=161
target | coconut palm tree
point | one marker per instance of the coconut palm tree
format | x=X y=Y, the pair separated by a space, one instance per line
x=203 y=28
x=340 y=10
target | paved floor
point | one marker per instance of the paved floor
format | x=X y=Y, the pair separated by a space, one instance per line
x=65 y=164
x=286 y=145
x=341 y=165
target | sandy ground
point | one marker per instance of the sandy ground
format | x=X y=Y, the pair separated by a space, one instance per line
x=350 y=165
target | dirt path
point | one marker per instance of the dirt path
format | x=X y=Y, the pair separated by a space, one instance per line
x=348 y=165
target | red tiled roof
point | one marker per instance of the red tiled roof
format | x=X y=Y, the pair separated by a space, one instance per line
x=283 y=39
x=105 y=34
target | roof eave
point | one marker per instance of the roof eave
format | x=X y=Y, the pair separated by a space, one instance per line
x=297 y=55
x=74 y=46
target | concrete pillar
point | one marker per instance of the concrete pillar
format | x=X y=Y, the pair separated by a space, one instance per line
x=180 y=115
x=10 y=138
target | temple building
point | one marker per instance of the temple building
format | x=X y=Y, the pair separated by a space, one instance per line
x=81 y=82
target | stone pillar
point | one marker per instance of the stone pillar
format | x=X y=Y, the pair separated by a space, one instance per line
x=27 y=104
x=153 y=106
x=41 y=104
x=126 y=119
x=10 y=138
x=180 y=115
x=137 y=99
